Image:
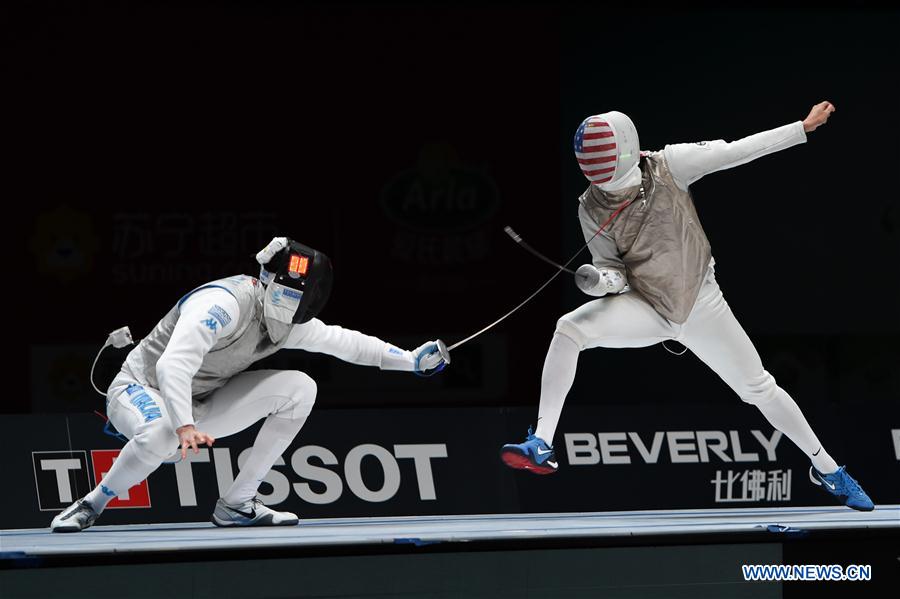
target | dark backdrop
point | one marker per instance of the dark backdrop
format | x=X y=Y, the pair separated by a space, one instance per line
x=161 y=146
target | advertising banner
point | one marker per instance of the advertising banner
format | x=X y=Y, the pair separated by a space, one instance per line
x=397 y=462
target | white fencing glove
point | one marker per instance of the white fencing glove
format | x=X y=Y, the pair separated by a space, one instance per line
x=599 y=281
x=425 y=360
x=429 y=359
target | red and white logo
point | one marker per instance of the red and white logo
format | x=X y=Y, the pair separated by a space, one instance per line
x=137 y=496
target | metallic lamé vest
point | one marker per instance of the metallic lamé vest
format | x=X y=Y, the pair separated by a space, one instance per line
x=249 y=343
x=659 y=238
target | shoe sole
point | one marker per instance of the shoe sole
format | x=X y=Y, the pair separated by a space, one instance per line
x=516 y=460
x=261 y=522
x=68 y=529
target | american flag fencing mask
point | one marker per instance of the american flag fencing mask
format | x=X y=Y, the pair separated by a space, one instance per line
x=608 y=150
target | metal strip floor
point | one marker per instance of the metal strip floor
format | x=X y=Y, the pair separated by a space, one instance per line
x=436 y=529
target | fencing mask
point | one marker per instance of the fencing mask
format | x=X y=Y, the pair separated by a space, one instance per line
x=608 y=151
x=298 y=282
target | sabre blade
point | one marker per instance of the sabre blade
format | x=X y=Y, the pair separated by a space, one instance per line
x=518 y=239
x=561 y=268
x=505 y=316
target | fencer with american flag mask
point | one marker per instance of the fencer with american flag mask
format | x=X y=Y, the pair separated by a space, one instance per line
x=654 y=275
x=186 y=383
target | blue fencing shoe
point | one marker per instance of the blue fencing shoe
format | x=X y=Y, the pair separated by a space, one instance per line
x=533 y=455
x=844 y=487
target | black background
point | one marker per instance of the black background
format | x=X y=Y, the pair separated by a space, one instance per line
x=160 y=145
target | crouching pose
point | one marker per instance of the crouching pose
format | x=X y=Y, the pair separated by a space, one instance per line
x=185 y=384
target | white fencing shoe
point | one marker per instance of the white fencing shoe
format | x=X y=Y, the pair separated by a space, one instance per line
x=251 y=513
x=75 y=518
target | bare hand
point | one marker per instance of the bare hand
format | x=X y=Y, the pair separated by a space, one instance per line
x=189 y=436
x=818 y=116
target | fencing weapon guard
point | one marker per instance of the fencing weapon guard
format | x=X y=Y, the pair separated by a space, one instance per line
x=518 y=239
x=439 y=347
x=444 y=351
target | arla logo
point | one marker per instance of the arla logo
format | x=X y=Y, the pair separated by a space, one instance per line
x=440 y=194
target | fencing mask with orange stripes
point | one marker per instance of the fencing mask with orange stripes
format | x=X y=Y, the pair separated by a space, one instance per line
x=298 y=281
x=608 y=151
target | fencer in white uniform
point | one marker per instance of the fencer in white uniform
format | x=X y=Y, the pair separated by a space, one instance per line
x=653 y=272
x=186 y=383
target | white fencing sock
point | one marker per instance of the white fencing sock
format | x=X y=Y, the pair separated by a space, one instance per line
x=556 y=380
x=273 y=438
x=129 y=469
x=784 y=414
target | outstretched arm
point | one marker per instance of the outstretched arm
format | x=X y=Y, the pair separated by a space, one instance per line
x=354 y=347
x=689 y=162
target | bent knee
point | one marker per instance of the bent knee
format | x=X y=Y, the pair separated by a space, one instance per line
x=568 y=326
x=303 y=385
x=302 y=396
x=758 y=389
x=156 y=440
